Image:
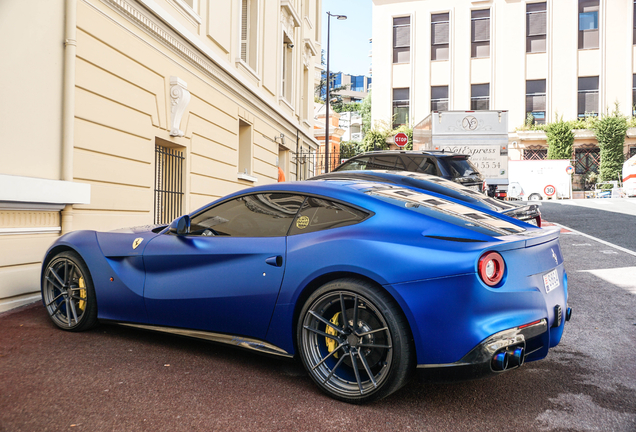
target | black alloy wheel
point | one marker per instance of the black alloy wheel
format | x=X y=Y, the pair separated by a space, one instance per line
x=354 y=341
x=68 y=293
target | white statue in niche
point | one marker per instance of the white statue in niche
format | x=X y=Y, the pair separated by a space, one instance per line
x=179 y=98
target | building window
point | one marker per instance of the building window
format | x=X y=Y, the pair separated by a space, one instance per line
x=287 y=75
x=480 y=97
x=357 y=83
x=588 y=96
x=634 y=95
x=168 y=184
x=535 y=101
x=245 y=149
x=634 y=24
x=400 y=107
x=439 y=98
x=440 y=36
x=588 y=24
x=401 y=39
x=249 y=14
x=480 y=33
x=536 y=26
x=306 y=94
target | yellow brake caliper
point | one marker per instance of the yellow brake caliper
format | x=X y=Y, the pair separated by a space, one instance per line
x=82 y=285
x=331 y=343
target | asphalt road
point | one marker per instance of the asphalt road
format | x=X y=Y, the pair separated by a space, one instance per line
x=121 y=379
x=610 y=219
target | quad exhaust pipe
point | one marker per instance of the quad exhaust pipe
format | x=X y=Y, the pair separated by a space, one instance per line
x=510 y=358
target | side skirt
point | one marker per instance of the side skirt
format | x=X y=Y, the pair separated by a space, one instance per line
x=239 y=341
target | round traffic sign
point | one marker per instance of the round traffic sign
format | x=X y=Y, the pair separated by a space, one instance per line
x=401 y=139
x=569 y=169
x=549 y=190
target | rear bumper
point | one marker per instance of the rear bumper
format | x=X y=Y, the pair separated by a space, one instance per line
x=534 y=338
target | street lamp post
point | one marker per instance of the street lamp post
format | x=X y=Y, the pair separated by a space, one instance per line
x=340 y=17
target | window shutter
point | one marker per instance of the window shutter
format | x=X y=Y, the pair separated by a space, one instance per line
x=535 y=103
x=440 y=33
x=591 y=102
x=536 y=24
x=402 y=36
x=244 y=8
x=481 y=30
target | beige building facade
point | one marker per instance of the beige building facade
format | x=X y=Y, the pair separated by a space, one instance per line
x=131 y=112
x=535 y=59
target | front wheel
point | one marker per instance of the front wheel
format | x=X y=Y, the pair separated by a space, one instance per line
x=354 y=341
x=535 y=197
x=68 y=293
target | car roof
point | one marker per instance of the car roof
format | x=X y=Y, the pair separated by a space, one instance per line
x=436 y=153
x=432 y=185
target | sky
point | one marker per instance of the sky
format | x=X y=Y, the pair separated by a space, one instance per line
x=349 y=52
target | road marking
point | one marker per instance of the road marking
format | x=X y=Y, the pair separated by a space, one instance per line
x=581 y=244
x=621 y=277
x=622 y=249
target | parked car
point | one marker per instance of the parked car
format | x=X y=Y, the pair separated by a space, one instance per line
x=363 y=281
x=451 y=166
x=441 y=187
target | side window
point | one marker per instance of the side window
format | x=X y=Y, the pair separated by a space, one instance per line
x=262 y=215
x=386 y=163
x=319 y=214
x=356 y=164
x=422 y=164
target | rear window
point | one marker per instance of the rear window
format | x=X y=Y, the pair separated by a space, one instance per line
x=445 y=210
x=458 y=167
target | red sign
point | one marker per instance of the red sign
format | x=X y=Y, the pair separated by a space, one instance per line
x=569 y=169
x=549 y=190
x=401 y=139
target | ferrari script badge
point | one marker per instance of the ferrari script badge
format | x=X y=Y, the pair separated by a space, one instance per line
x=556 y=260
x=137 y=242
x=302 y=222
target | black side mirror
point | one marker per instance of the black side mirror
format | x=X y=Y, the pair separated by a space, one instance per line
x=180 y=226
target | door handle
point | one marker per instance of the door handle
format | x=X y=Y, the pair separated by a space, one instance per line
x=276 y=261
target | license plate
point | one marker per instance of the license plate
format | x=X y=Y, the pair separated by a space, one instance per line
x=551 y=280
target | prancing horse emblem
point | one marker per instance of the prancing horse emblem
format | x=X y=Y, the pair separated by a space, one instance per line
x=138 y=241
x=556 y=260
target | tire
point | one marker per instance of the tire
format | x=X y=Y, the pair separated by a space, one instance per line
x=68 y=292
x=535 y=197
x=360 y=363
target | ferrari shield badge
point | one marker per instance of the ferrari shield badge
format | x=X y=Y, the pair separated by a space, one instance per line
x=302 y=222
x=137 y=242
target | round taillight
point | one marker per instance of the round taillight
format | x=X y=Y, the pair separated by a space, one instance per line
x=491 y=268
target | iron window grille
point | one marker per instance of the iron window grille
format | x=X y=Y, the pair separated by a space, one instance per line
x=168 y=184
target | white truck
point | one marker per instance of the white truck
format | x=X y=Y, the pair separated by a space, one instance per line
x=629 y=177
x=481 y=134
x=536 y=180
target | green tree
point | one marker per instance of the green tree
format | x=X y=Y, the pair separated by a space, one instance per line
x=349 y=149
x=611 y=131
x=375 y=138
x=560 y=139
x=365 y=113
x=345 y=107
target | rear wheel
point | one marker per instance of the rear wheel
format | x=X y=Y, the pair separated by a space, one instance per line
x=535 y=197
x=68 y=293
x=354 y=341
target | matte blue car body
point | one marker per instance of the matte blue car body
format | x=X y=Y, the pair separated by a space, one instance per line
x=165 y=281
